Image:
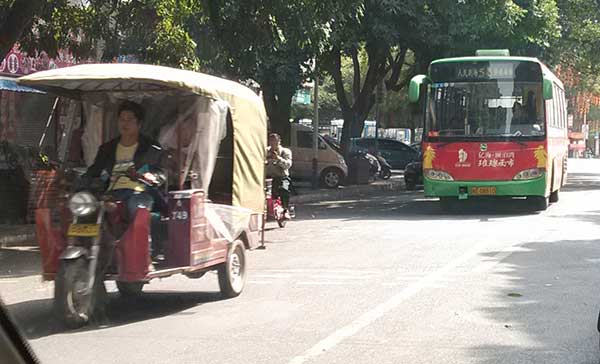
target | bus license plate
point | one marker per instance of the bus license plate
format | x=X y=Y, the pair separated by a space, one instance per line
x=483 y=191
x=86 y=230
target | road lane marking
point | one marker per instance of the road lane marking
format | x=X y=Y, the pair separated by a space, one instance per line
x=323 y=283
x=378 y=311
x=259 y=282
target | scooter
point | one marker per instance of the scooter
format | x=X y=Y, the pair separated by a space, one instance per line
x=385 y=170
x=275 y=210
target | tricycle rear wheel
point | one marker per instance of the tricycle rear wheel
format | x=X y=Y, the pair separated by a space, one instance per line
x=232 y=273
x=73 y=304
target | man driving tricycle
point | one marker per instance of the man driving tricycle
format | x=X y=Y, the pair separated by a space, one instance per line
x=103 y=233
x=131 y=164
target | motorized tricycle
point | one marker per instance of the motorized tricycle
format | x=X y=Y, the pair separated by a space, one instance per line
x=213 y=132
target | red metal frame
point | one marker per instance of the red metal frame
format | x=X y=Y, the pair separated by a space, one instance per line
x=193 y=244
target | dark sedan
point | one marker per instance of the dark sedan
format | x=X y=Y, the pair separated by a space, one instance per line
x=396 y=153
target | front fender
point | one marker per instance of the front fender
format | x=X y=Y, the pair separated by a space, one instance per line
x=74 y=252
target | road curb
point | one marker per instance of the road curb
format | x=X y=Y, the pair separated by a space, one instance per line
x=25 y=235
x=348 y=192
x=17 y=235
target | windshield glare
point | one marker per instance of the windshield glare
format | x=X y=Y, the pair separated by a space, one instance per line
x=480 y=109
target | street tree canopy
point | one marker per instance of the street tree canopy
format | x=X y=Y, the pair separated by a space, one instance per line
x=357 y=44
x=153 y=31
x=386 y=31
x=273 y=43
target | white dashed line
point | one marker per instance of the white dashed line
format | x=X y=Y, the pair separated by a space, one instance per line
x=378 y=311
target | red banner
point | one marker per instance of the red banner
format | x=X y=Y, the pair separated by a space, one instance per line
x=480 y=161
x=18 y=63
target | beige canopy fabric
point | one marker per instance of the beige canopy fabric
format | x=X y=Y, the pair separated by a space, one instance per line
x=246 y=108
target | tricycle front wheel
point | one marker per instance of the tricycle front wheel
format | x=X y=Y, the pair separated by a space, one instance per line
x=73 y=302
x=232 y=273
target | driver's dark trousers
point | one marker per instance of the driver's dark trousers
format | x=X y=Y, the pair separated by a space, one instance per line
x=281 y=188
x=135 y=200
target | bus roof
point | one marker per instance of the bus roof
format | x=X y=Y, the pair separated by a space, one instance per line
x=545 y=70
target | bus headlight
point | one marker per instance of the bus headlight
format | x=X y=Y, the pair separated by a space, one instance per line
x=438 y=175
x=529 y=174
x=82 y=203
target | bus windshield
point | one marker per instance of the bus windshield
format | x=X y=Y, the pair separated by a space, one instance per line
x=485 y=109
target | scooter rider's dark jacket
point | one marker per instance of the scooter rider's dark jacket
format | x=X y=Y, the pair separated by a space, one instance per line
x=148 y=153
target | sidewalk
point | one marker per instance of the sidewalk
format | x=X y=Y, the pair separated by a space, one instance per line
x=17 y=235
x=24 y=235
x=307 y=195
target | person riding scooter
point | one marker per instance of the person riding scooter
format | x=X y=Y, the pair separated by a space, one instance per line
x=279 y=162
x=130 y=153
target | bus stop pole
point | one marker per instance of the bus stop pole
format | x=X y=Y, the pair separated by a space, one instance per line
x=315 y=123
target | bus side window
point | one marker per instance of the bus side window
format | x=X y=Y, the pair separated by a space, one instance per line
x=563 y=109
x=556 y=107
x=560 y=109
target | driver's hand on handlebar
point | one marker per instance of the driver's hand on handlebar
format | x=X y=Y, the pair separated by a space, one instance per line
x=150 y=177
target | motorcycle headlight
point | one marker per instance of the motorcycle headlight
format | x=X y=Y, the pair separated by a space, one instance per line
x=438 y=175
x=82 y=203
x=529 y=174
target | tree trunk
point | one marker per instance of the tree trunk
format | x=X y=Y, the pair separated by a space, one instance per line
x=19 y=19
x=347 y=133
x=278 y=104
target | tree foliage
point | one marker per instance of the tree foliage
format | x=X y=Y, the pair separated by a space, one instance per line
x=16 y=17
x=154 y=31
x=271 y=42
x=385 y=31
x=358 y=44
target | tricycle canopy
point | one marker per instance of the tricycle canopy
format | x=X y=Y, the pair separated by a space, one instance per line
x=221 y=110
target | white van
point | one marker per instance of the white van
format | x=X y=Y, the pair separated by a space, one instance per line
x=332 y=167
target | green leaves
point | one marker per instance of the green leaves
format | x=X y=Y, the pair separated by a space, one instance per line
x=154 y=31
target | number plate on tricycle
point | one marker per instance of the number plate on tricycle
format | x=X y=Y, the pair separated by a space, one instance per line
x=483 y=191
x=85 y=230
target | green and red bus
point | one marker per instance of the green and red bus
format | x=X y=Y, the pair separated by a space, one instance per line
x=495 y=125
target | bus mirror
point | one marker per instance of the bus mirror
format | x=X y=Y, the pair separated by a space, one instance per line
x=414 y=89
x=547 y=89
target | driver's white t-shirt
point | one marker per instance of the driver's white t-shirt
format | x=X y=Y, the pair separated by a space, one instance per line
x=124 y=161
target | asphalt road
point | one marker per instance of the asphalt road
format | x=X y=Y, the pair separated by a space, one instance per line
x=388 y=279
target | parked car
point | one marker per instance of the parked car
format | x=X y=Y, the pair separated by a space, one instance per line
x=362 y=167
x=332 y=168
x=396 y=153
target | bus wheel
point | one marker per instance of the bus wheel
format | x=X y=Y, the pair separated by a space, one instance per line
x=539 y=203
x=554 y=196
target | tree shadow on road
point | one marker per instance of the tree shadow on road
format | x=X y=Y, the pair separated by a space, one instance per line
x=549 y=298
x=36 y=318
x=411 y=207
x=16 y=263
